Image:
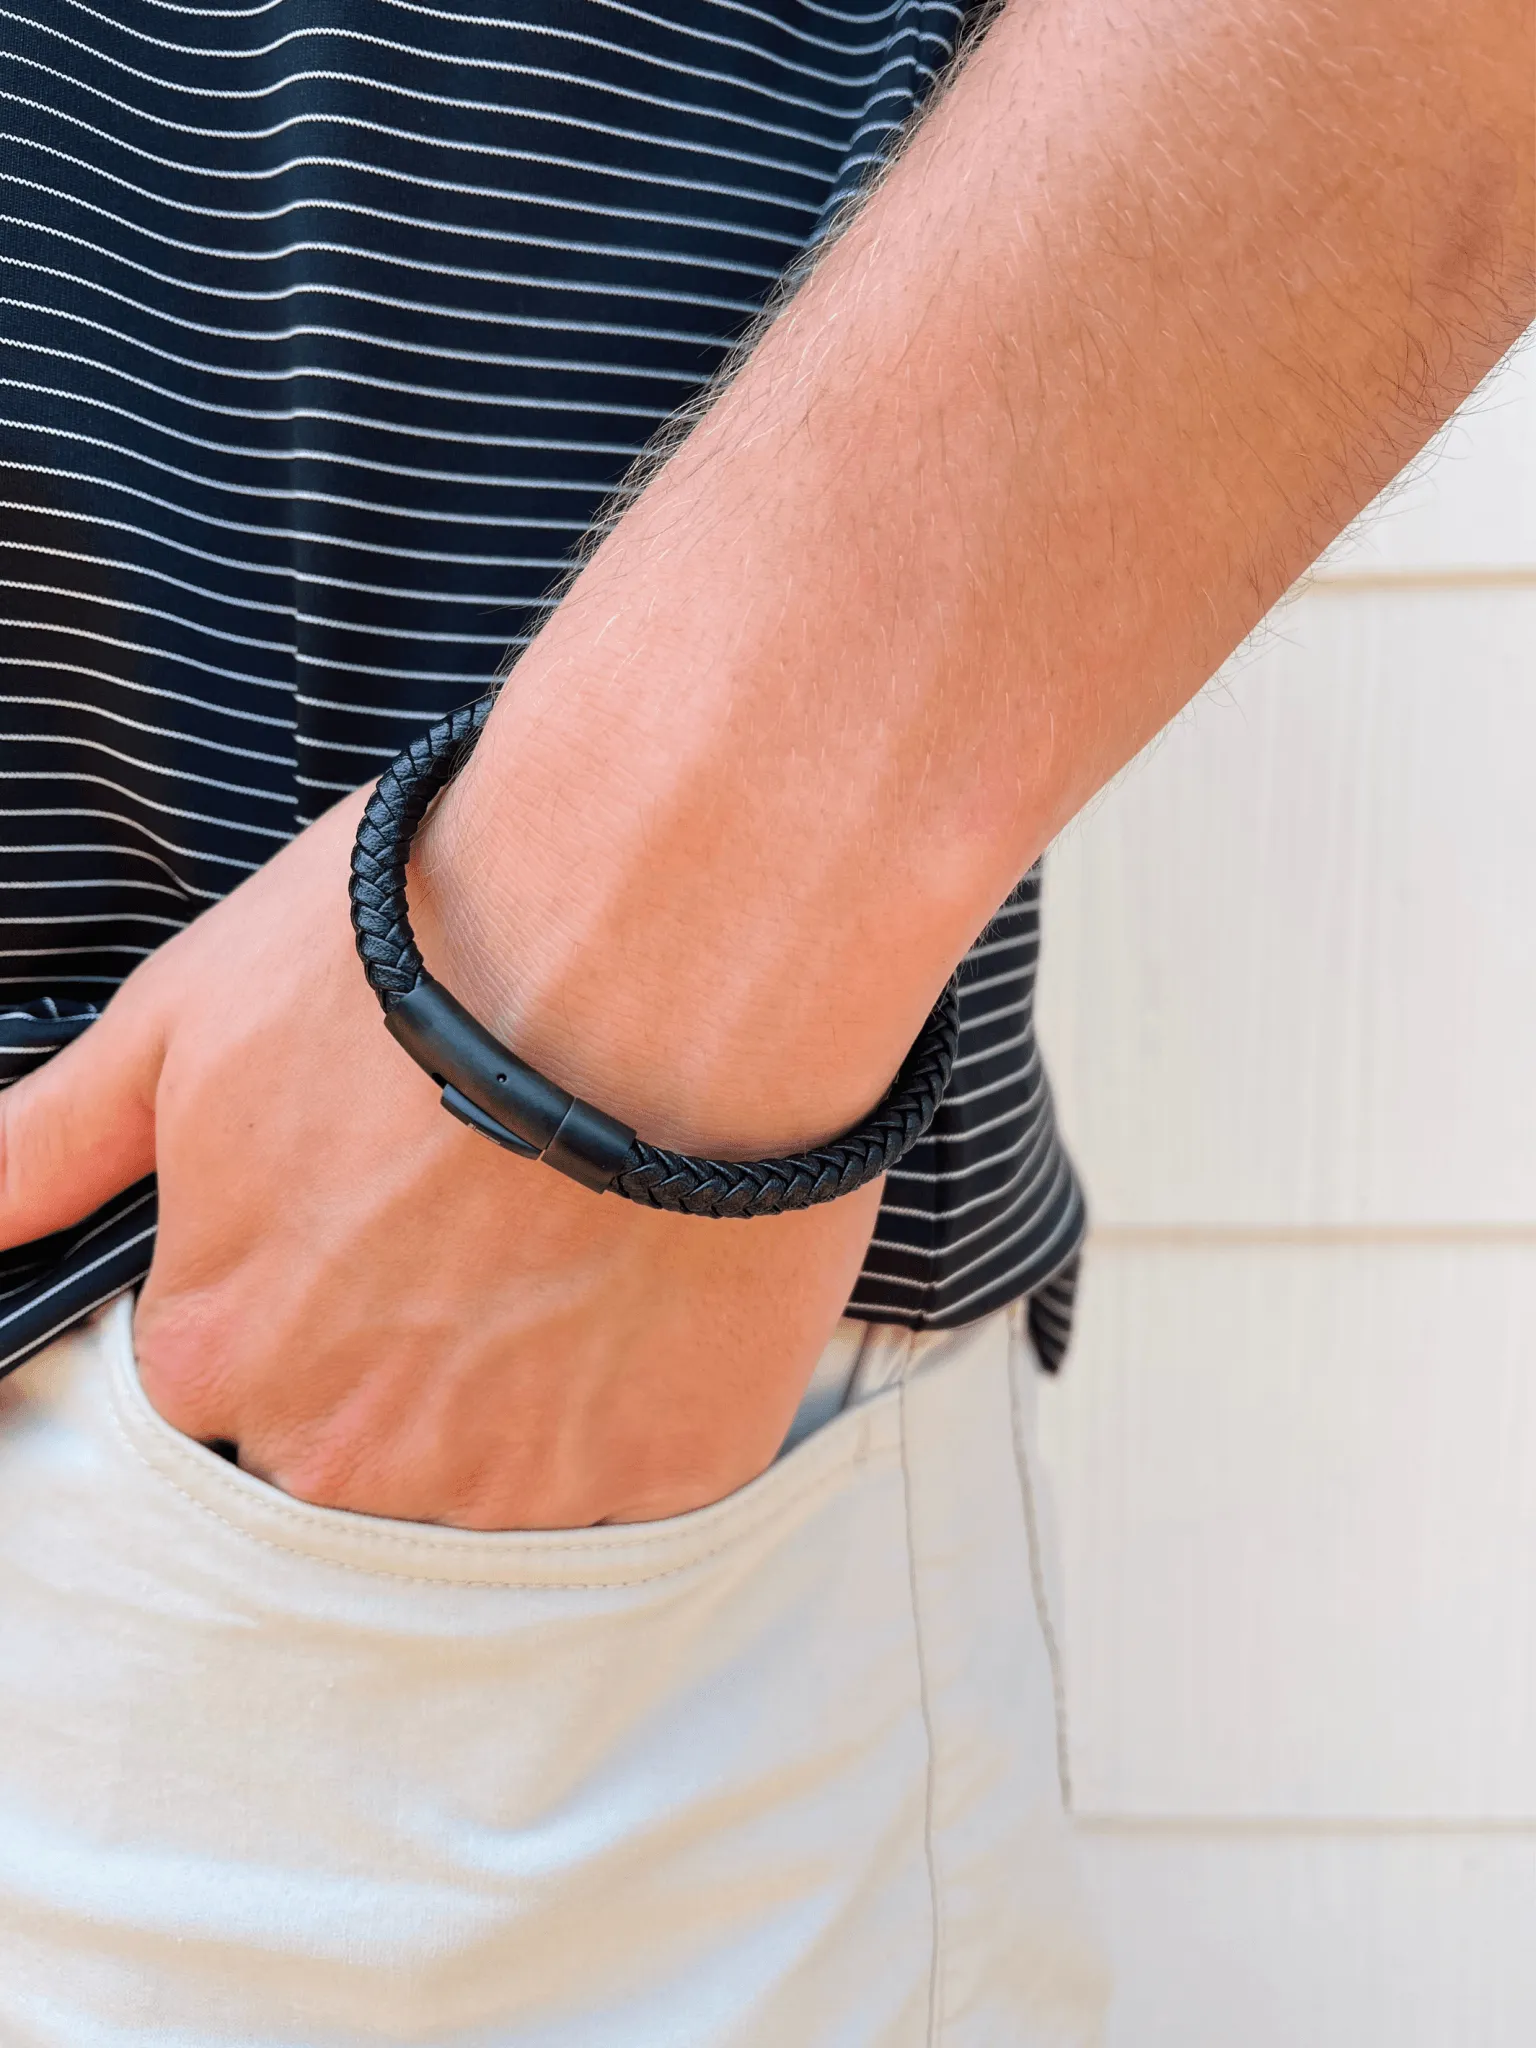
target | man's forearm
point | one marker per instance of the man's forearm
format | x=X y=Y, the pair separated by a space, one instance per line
x=1159 y=296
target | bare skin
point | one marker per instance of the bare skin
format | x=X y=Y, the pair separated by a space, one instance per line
x=1159 y=297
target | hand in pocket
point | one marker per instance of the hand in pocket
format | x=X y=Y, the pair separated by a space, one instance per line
x=379 y=1309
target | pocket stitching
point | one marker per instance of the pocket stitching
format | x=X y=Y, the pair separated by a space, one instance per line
x=1021 y=1360
x=175 y=1447
x=936 y=1958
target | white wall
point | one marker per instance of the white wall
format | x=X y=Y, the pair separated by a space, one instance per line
x=1290 y=1002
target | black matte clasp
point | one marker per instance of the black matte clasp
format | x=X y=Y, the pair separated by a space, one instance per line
x=495 y=1093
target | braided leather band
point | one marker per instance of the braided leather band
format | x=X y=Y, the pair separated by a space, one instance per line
x=486 y=1086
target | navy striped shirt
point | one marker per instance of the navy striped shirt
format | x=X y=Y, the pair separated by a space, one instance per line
x=326 y=328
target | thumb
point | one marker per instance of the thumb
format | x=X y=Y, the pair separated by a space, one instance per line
x=82 y=1127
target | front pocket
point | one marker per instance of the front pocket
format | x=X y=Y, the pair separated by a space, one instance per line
x=322 y=1778
x=617 y=1553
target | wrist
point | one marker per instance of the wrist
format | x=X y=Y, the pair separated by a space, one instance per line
x=714 y=1014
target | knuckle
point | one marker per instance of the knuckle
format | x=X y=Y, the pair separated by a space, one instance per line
x=24 y=1130
x=183 y=1357
x=324 y=1475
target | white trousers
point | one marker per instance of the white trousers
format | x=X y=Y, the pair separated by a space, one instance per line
x=782 y=1773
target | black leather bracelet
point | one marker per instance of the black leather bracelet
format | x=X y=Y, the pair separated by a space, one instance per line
x=489 y=1088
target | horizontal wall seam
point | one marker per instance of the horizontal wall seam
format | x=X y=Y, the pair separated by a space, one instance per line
x=1224 y=1826
x=1521 y=576
x=1287 y=1236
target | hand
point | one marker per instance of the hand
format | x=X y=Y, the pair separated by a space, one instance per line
x=380 y=1310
